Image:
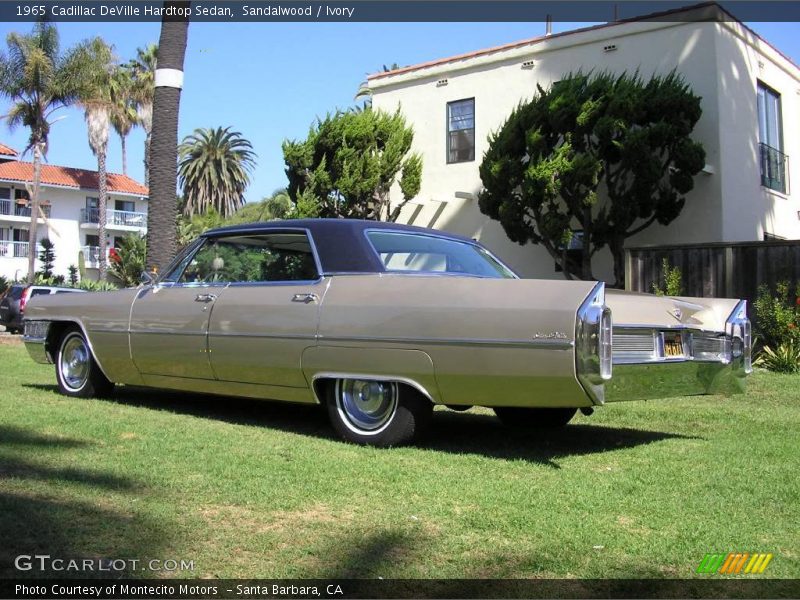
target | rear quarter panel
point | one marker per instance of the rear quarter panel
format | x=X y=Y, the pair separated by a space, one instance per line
x=489 y=340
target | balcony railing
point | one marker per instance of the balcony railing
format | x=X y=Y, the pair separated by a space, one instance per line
x=91 y=254
x=10 y=207
x=10 y=249
x=774 y=168
x=115 y=217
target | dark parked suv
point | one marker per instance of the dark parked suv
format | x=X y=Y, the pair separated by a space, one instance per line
x=12 y=304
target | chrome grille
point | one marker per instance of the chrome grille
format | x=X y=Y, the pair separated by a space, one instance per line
x=634 y=345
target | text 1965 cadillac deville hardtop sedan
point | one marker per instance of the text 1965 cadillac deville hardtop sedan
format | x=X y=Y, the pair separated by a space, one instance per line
x=380 y=322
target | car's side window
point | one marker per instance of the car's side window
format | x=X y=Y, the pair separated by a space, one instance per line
x=250 y=258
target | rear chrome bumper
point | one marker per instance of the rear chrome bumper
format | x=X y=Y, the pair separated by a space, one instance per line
x=35 y=339
x=707 y=362
x=675 y=378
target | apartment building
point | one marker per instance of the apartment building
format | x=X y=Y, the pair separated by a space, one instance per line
x=69 y=214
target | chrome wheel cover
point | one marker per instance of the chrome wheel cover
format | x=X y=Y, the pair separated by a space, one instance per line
x=366 y=406
x=74 y=362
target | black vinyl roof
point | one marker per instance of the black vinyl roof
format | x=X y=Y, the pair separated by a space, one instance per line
x=340 y=243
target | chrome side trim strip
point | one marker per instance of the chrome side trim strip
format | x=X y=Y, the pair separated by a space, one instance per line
x=544 y=344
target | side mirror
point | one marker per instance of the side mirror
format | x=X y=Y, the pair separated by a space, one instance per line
x=147 y=278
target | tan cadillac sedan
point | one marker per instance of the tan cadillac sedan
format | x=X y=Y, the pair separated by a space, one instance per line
x=379 y=322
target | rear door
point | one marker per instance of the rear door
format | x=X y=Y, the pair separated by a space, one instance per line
x=269 y=313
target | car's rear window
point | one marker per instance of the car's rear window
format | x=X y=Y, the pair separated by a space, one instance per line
x=415 y=252
x=40 y=292
x=16 y=292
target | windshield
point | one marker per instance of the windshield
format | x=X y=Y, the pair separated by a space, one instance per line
x=420 y=253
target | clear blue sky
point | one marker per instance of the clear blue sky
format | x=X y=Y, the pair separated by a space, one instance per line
x=270 y=81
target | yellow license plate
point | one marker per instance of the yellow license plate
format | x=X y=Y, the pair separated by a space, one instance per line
x=673 y=344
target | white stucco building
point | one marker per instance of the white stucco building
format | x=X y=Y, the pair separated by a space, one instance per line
x=69 y=203
x=750 y=126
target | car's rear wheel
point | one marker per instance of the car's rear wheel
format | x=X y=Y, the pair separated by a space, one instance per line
x=537 y=418
x=76 y=370
x=377 y=413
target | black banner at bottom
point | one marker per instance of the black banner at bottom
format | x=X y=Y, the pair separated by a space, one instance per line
x=301 y=589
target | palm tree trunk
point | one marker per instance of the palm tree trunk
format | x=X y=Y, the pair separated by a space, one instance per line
x=124 y=155
x=37 y=181
x=147 y=137
x=163 y=210
x=102 y=184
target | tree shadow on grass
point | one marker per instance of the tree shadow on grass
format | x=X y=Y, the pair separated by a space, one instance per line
x=452 y=432
x=39 y=512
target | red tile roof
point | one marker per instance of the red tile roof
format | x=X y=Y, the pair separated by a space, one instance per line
x=16 y=170
x=7 y=151
x=663 y=15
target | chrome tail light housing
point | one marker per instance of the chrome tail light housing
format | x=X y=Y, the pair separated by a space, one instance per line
x=738 y=329
x=593 y=344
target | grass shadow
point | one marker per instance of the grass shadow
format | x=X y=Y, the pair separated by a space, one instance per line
x=40 y=515
x=452 y=432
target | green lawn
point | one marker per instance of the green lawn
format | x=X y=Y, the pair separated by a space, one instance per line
x=258 y=489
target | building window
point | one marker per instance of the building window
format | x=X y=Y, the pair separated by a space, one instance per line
x=461 y=131
x=770 y=137
x=573 y=253
x=124 y=205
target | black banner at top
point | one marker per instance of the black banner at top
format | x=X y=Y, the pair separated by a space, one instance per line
x=400 y=10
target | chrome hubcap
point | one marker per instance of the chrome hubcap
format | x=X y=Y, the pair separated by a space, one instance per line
x=74 y=362
x=366 y=406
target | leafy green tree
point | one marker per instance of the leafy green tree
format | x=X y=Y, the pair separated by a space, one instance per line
x=349 y=162
x=276 y=206
x=588 y=137
x=39 y=79
x=47 y=257
x=214 y=170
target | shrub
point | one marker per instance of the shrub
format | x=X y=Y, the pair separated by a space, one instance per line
x=777 y=324
x=47 y=257
x=4 y=285
x=128 y=260
x=672 y=278
x=784 y=359
x=777 y=316
x=96 y=286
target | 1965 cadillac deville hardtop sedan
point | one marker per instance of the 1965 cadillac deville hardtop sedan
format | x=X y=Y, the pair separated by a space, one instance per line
x=380 y=322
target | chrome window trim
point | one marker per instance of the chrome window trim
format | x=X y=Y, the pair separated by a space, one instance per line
x=365 y=232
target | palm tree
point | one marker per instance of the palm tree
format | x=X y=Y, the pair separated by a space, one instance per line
x=143 y=70
x=99 y=105
x=39 y=79
x=124 y=115
x=214 y=170
x=164 y=144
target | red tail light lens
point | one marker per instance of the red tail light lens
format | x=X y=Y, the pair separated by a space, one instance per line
x=26 y=293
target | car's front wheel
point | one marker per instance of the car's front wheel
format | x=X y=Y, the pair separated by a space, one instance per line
x=76 y=370
x=377 y=413
x=536 y=418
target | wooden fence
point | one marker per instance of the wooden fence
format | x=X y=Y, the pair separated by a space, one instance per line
x=721 y=270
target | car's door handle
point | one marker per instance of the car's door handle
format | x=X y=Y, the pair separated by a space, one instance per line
x=305 y=298
x=205 y=297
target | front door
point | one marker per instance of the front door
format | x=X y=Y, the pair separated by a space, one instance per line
x=169 y=321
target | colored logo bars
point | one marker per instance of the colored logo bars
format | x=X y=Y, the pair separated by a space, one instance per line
x=734 y=563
